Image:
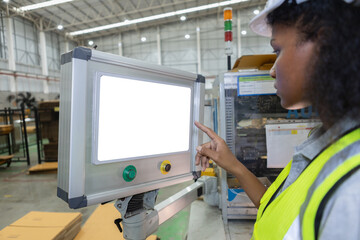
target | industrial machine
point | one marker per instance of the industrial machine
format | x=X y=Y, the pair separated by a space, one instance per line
x=259 y=132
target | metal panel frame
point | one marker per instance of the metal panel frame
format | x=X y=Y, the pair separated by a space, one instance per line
x=80 y=182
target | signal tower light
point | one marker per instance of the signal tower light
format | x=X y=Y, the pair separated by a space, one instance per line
x=228 y=34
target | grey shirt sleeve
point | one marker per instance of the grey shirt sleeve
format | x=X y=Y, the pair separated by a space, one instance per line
x=341 y=217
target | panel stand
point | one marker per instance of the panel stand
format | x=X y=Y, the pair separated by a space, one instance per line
x=141 y=217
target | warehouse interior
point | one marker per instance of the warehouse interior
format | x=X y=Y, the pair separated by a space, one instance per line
x=186 y=35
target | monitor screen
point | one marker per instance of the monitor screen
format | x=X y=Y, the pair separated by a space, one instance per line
x=148 y=118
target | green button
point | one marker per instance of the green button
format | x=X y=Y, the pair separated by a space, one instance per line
x=132 y=174
x=129 y=173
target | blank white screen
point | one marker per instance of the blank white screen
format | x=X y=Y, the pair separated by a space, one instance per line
x=138 y=118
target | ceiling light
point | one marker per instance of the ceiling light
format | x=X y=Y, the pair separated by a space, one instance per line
x=60 y=27
x=5 y=1
x=197 y=29
x=119 y=44
x=43 y=4
x=243 y=32
x=256 y=12
x=143 y=39
x=91 y=43
x=187 y=36
x=182 y=18
x=155 y=17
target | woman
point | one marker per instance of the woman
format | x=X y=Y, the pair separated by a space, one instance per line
x=317 y=196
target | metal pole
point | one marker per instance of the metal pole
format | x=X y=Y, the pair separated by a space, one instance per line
x=239 y=33
x=198 y=49
x=11 y=51
x=6 y=116
x=12 y=134
x=8 y=135
x=120 y=45
x=169 y=207
x=215 y=116
x=229 y=62
x=25 y=135
x=43 y=56
x=37 y=134
x=158 y=41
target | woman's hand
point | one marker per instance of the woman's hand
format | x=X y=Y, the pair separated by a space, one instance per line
x=216 y=149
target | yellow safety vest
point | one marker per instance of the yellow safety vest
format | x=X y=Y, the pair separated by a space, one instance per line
x=293 y=214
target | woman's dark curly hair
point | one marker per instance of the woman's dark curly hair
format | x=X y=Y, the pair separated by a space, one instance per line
x=334 y=71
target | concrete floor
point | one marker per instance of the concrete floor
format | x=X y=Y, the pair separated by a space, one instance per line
x=21 y=193
x=206 y=223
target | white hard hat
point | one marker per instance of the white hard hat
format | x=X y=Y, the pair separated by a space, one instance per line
x=259 y=25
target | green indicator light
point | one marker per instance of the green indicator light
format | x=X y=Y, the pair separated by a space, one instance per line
x=228 y=25
x=129 y=173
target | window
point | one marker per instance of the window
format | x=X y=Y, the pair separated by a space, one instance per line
x=26 y=42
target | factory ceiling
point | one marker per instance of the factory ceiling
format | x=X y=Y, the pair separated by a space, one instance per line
x=72 y=17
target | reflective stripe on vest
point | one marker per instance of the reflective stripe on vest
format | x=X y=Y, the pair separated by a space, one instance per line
x=311 y=211
x=275 y=219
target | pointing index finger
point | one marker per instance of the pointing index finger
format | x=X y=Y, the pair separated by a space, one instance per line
x=212 y=135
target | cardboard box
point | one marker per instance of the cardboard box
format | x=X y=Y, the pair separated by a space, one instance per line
x=26 y=233
x=50 y=130
x=44 y=225
x=45 y=116
x=48 y=111
x=51 y=151
x=260 y=62
x=48 y=219
x=48 y=104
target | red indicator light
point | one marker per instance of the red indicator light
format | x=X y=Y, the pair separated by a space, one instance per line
x=228 y=36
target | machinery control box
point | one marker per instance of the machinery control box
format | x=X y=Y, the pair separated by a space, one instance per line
x=125 y=127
